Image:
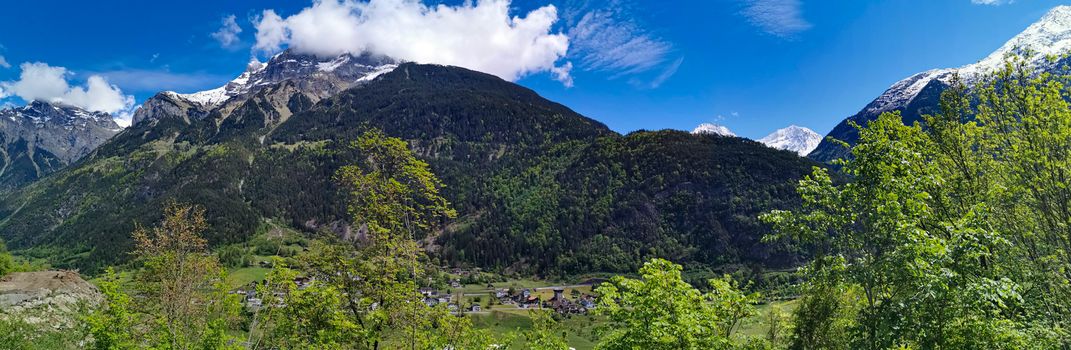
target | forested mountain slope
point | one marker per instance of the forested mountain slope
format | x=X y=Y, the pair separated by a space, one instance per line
x=538 y=187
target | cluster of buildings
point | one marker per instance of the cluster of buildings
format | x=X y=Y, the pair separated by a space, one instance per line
x=527 y=299
x=254 y=302
x=433 y=298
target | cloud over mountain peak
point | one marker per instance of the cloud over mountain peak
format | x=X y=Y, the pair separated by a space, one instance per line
x=481 y=35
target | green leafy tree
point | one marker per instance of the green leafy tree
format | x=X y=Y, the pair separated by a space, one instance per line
x=455 y=331
x=183 y=297
x=112 y=324
x=949 y=231
x=661 y=311
x=545 y=333
x=7 y=262
x=366 y=287
x=313 y=317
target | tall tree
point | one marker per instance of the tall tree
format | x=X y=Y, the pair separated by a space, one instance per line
x=7 y=262
x=394 y=200
x=180 y=285
x=661 y=311
x=951 y=231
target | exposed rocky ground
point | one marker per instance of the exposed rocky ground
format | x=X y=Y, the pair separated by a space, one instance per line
x=50 y=298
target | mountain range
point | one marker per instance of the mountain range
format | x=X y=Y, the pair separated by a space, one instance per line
x=539 y=188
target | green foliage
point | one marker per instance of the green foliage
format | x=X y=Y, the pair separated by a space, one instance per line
x=392 y=191
x=182 y=302
x=365 y=290
x=112 y=324
x=7 y=262
x=313 y=317
x=661 y=311
x=824 y=318
x=545 y=333
x=18 y=334
x=947 y=233
x=610 y=204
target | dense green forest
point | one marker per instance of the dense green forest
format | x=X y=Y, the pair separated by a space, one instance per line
x=539 y=189
x=362 y=294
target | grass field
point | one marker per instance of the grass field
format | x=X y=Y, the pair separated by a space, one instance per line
x=243 y=276
x=581 y=331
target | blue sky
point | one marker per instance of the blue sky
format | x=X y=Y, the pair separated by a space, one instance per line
x=752 y=65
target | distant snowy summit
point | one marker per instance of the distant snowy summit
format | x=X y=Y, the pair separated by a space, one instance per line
x=712 y=129
x=67 y=132
x=793 y=138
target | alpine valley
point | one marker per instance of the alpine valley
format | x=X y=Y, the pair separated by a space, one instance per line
x=539 y=188
x=393 y=174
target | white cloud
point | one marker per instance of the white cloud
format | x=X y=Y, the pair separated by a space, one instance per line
x=782 y=18
x=41 y=82
x=3 y=62
x=667 y=73
x=481 y=36
x=991 y=2
x=607 y=40
x=271 y=32
x=227 y=35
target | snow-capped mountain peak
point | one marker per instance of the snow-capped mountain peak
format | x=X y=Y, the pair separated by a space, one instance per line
x=338 y=72
x=1035 y=47
x=1049 y=36
x=712 y=129
x=316 y=77
x=793 y=138
x=233 y=88
x=66 y=132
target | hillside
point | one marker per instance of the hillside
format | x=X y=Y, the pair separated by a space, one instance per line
x=539 y=188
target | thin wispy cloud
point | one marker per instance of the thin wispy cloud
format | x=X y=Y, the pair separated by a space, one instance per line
x=667 y=73
x=227 y=35
x=609 y=38
x=782 y=18
x=603 y=41
x=991 y=2
x=3 y=62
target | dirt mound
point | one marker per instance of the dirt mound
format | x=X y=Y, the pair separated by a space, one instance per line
x=44 y=296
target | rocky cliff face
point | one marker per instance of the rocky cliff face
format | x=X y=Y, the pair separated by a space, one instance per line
x=40 y=138
x=316 y=77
